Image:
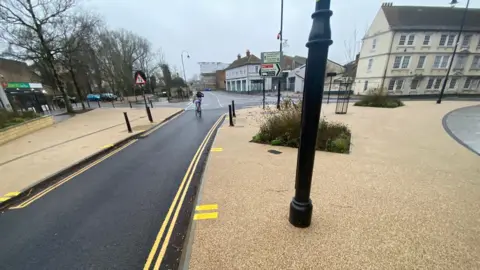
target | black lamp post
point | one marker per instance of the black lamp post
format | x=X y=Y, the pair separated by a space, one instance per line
x=318 y=43
x=454 y=2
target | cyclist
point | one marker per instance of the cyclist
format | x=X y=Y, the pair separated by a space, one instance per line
x=198 y=100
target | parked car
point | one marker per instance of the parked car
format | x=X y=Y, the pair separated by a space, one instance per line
x=59 y=101
x=93 y=97
x=108 y=97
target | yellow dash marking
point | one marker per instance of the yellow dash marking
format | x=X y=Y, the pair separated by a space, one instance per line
x=11 y=194
x=206 y=207
x=202 y=216
x=218 y=149
x=107 y=146
x=2 y=199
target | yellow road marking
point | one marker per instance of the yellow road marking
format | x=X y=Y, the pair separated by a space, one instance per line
x=11 y=194
x=206 y=207
x=107 y=146
x=219 y=149
x=47 y=190
x=174 y=219
x=2 y=199
x=154 y=249
x=202 y=216
x=159 y=126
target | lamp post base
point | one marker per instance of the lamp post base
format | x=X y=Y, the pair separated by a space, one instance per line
x=439 y=101
x=300 y=213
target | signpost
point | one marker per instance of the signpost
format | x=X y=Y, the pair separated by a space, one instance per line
x=271 y=67
x=141 y=79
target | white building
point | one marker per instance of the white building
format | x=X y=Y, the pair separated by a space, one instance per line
x=244 y=74
x=297 y=77
x=407 y=50
x=211 y=67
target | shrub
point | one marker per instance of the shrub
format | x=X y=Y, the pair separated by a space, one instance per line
x=8 y=118
x=283 y=128
x=378 y=98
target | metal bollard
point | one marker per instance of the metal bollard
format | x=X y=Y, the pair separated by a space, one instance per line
x=233 y=108
x=129 y=128
x=230 y=115
x=151 y=104
x=130 y=104
x=149 y=114
x=98 y=102
x=88 y=103
x=113 y=104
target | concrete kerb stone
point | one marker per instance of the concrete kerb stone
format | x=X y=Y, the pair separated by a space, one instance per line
x=450 y=132
x=57 y=176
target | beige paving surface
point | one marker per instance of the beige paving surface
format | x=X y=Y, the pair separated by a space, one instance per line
x=35 y=156
x=407 y=197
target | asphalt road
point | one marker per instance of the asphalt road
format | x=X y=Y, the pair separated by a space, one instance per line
x=107 y=217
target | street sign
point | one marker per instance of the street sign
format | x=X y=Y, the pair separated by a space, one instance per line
x=140 y=78
x=271 y=57
x=270 y=70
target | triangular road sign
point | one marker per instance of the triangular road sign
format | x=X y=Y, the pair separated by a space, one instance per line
x=139 y=80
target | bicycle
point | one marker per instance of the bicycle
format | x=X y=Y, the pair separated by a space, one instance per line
x=198 y=107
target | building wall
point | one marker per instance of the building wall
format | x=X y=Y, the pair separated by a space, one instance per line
x=376 y=63
x=243 y=79
x=220 y=79
x=212 y=67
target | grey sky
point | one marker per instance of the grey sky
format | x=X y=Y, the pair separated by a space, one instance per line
x=217 y=30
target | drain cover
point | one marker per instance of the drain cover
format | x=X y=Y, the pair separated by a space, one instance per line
x=275 y=152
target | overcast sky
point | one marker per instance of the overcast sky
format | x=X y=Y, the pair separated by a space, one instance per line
x=217 y=30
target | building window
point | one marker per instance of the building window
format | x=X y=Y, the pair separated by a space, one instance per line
x=414 y=84
x=434 y=83
x=256 y=69
x=396 y=84
x=374 y=44
x=475 y=62
x=401 y=62
x=426 y=40
x=471 y=83
x=370 y=63
x=453 y=83
x=441 y=61
x=447 y=40
x=403 y=38
x=466 y=41
x=460 y=61
x=365 y=86
x=421 y=61
x=411 y=38
x=478 y=45
x=467 y=84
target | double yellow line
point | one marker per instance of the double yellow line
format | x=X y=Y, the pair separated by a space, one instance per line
x=66 y=179
x=181 y=193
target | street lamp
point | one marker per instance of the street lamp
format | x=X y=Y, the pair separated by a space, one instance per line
x=318 y=42
x=454 y=2
x=183 y=66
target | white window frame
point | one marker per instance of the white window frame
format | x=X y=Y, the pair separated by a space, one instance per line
x=475 y=62
x=424 y=57
x=406 y=40
x=374 y=44
x=403 y=63
x=457 y=63
x=471 y=83
x=411 y=40
x=396 y=84
x=434 y=82
x=426 y=39
x=442 y=61
x=404 y=37
x=449 y=40
x=466 y=41
x=454 y=81
x=370 y=64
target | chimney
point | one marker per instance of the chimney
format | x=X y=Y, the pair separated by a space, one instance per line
x=248 y=53
x=387 y=4
x=239 y=56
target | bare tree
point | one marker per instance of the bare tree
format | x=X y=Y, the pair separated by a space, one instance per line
x=30 y=27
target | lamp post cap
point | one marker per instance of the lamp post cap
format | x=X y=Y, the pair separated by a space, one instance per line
x=453 y=2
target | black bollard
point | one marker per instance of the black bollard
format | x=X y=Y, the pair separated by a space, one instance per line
x=88 y=103
x=151 y=103
x=233 y=109
x=130 y=104
x=129 y=128
x=230 y=115
x=318 y=42
x=149 y=114
x=98 y=102
x=113 y=104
